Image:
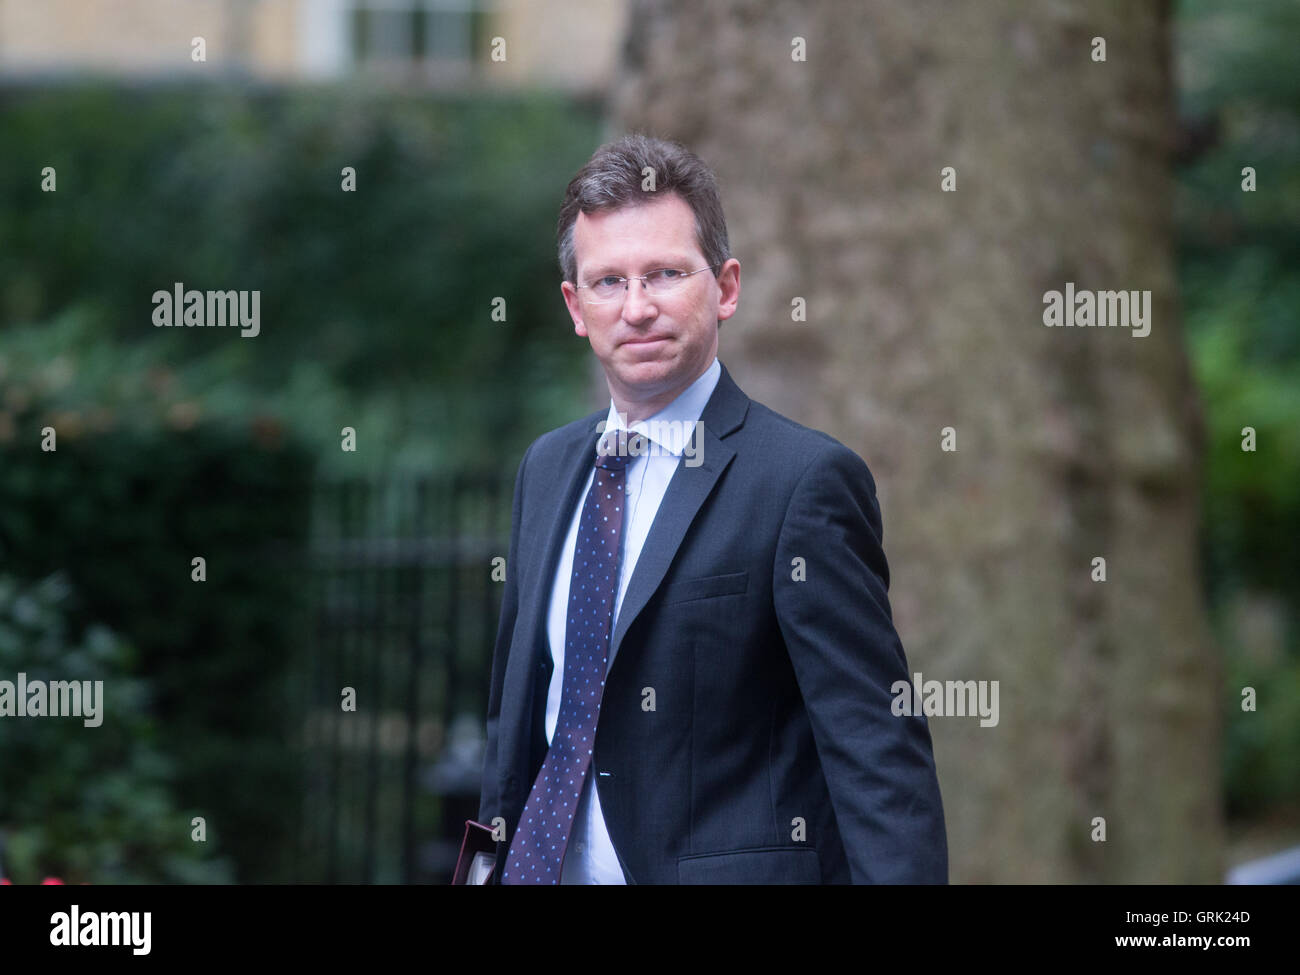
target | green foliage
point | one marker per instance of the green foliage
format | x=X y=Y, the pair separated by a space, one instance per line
x=87 y=804
x=1252 y=497
x=176 y=442
x=90 y=383
x=1240 y=276
x=384 y=293
x=1262 y=745
x=140 y=485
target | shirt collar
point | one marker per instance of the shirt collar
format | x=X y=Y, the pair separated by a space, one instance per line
x=671 y=429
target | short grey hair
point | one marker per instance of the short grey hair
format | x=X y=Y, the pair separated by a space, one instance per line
x=612 y=179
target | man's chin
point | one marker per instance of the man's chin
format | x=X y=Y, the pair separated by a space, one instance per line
x=646 y=369
x=647 y=374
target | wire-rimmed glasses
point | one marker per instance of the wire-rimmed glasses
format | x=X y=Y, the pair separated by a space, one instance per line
x=657 y=284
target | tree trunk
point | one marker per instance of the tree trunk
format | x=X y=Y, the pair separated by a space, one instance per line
x=925 y=311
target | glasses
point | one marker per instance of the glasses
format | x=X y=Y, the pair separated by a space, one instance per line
x=657 y=284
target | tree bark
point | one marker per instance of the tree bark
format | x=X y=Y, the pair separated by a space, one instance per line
x=924 y=312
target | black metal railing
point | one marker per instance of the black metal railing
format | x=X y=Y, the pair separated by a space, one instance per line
x=404 y=613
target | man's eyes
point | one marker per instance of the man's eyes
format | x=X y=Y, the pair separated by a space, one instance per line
x=663 y=273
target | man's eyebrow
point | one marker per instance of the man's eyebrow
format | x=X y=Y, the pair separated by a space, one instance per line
x=600 y=270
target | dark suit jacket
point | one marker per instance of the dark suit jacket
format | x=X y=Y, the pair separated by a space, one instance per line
x=771 y=755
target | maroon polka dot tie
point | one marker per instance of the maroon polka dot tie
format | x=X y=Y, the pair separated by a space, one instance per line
x=537 y=852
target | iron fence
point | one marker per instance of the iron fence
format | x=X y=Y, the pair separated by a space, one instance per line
x=403 y=611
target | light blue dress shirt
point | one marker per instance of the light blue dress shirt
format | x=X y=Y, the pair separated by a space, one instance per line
x=590 y=857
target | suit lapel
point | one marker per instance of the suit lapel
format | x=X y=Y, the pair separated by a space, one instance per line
x=687 y=491
x=576 y=463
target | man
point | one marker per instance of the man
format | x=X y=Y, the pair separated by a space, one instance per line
x=693 y=670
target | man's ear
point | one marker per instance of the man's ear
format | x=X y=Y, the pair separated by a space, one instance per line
x=728 y=289
x=574 y=304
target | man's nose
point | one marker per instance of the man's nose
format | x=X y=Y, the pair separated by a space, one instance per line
x=636 y=303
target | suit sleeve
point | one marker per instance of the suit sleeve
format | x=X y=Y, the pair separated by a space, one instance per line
x=846 y=655
x=489 y=798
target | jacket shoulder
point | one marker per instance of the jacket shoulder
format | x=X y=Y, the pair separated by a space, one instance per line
x=799 y=446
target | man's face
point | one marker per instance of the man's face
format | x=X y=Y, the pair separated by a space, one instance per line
x=650 y=347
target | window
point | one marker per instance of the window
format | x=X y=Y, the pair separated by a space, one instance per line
x=431 y=38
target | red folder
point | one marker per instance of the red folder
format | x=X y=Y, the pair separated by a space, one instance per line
x=478 y=839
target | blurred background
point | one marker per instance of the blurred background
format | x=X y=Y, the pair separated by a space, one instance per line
x=147 y=142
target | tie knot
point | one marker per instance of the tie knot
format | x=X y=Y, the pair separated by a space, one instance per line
x=617 y=448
